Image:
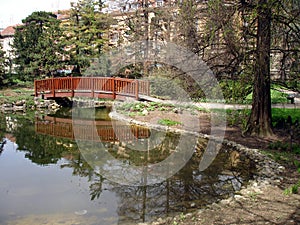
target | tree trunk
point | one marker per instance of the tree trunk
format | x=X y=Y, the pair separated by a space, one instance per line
x=146 y=38
x=259 y=123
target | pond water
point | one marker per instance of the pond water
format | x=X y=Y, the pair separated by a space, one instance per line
x=46 y=179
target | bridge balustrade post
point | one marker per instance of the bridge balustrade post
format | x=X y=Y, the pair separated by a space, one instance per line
x=93 y=80
x=53 y=88
x=113 y=80
x=137 y=89
x=72 y=87
x=148 y=87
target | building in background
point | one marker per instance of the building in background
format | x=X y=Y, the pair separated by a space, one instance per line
x=6 y=39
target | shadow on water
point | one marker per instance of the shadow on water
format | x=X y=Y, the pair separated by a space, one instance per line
x=48 y=142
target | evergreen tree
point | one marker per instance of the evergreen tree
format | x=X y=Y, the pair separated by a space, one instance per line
x=86 y=33
x=2 y=65
x=187 y=25
x=37 y=46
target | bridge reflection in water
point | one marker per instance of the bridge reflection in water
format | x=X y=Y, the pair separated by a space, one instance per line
x=188 y=189
x=108 y=131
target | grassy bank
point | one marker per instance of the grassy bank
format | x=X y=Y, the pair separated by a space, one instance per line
x=10 y=95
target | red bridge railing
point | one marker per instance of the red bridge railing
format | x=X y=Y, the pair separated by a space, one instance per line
x=94 y=87
x=106 y=132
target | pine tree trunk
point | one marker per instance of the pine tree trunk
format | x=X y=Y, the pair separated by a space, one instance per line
x=260 y=120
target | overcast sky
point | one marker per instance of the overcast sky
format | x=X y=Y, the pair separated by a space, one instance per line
x=13 y=11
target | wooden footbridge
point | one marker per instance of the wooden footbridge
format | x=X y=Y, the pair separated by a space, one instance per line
x=84 y=129
x=93 y=87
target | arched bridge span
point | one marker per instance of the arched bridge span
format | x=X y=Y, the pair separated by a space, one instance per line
x=93 y=87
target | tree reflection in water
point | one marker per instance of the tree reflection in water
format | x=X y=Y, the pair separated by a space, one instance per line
x=186 y=190
x=2 y=143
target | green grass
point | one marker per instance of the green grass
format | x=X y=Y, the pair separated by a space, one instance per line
x=167 y=122
x=10 y=95
x=294 y=189
x=240 y=116
x=279 y=113
x=283 y=157
x=276 y=97
x=278 y=86
x=285 y=146
x=152 y=106
x=289 y=159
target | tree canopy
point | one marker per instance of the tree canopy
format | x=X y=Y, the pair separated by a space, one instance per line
x=2 y=65
x=245 y=41
x=43 y=45
x=86 y=33
x=37 y=47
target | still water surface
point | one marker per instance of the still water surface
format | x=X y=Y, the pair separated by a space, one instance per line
x=44 y=179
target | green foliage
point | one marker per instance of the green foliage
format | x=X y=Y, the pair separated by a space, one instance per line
x=276 y=97
x=98 y=67
x=43 y=44
x=37 y=46
x=40 y=149
x=160 y=87
x=182 y=216
x=238 y=117
x=278 y=145
x=168 y=122
x=294 y=82
x=284 y=146
x=187 y=28
x=297 y=164
x=171 y=83
x=2 y=59
x=2 y=65
x=17 y=94
x=136 y=108
x=131 y=71
x=280 y=156
x=279 y=114
x=167 y=88
x=289 y=159
x=86 y=33
x=253 y=195
x=295 y=187
x=235 y=91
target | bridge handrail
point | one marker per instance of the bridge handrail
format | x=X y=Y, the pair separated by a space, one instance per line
x=113 y=85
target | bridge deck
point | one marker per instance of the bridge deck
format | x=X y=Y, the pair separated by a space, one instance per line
x=93 y=87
